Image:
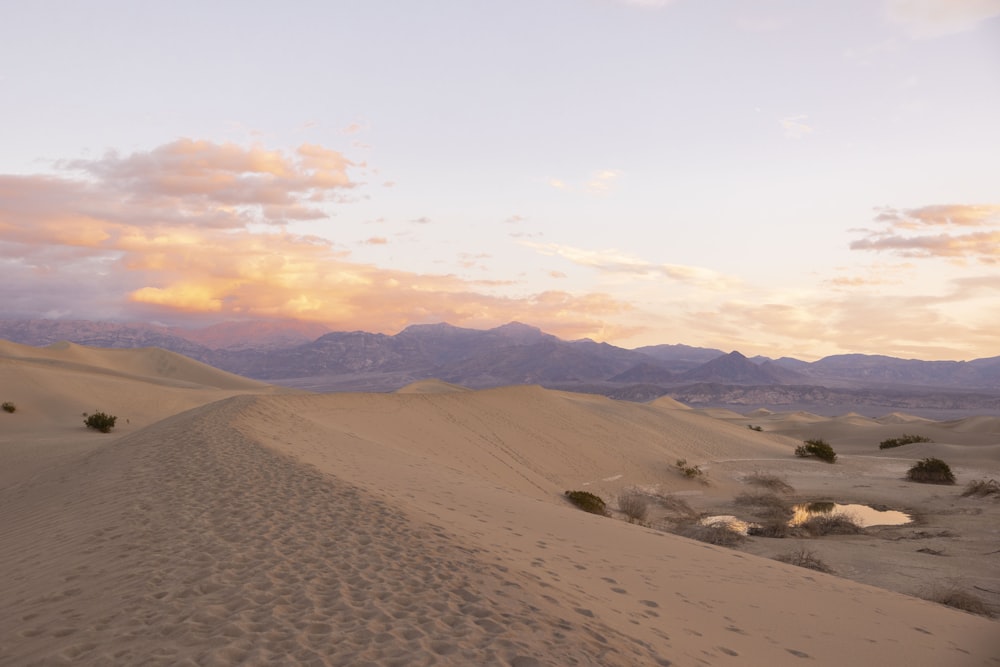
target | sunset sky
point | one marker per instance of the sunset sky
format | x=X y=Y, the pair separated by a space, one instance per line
x=773 y=176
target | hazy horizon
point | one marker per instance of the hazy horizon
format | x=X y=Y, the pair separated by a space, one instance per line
x=775 y=178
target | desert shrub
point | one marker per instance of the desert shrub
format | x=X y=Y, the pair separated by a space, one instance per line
x=831 y=524
x=588 y=502
x=982 y=488
x=674 y=505
x=953 y=595
x=715 y=533
x=100 y=421
x=762 y=500
x=818 y=448
x=633 y=505
x=691 y=472
x=754 y=427
x=902 y=440
x=931 y=471
x=770 y=482
x=804 y=558
x=8 y=407
x=775 y=525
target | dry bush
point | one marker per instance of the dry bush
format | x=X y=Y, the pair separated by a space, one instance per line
x=8 y=407
x=716 y=533
x=763 y=500
x=674 y=505
x=982 y=488
x=769 y=482
x=691 y=472
x=633 y=505
x=820 y=449
x=804 y=558
x=953 y=595
x=831 y=524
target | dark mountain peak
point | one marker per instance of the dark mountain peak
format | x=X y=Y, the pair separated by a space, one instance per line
x=435 y=330
x=736 y=354
x=520 y=333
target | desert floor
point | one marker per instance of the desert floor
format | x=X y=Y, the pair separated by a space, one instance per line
x=228 y=522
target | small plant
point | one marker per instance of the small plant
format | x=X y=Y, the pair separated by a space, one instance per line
x=691 y=472
x=754 y=427
x=804 y=558
x=902 y=440
x=9 y=407
x=831 y=524
x=953 y=595
x=818 y=448
x=633 y=505
x=769 y=482
x=931 y=471
x=100 y=421
x=715 y=533
x=588 y=502
x=982 y=488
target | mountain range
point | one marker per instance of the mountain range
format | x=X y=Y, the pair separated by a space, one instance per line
x=308 y=356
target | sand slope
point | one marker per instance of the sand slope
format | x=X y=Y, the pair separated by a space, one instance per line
x=401 y=529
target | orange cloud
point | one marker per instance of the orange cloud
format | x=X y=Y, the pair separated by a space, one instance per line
x=929 y=232
x=172 y=234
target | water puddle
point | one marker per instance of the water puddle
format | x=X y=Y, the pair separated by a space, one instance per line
x=864 y=515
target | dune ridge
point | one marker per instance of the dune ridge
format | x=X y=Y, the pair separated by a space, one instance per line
x=231 y=526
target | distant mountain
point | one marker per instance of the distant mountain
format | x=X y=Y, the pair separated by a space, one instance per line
x=309 y=356
x=734 y=368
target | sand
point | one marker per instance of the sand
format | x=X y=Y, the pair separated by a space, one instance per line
x=227 y=522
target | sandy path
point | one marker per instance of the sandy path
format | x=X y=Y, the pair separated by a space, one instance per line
x=190 y=544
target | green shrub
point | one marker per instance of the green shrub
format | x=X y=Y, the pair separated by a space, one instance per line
x=818 y=448
x=982 y=488
x=588 y=502
x=902 y=440
x=8 y=407
x=754 y=427
x=100 y=421
x=931 y=471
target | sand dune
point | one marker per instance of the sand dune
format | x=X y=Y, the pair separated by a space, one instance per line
x=420 y=528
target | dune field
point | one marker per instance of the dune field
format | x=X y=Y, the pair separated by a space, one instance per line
x=225 y=521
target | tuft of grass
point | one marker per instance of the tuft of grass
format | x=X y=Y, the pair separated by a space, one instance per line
x=588 y=502
x=716 y=533
x=769 y=482
x=904 y=439
x=633 y=505
x=982 y=488
x=100 y=421
x=804 y=558
x=9 y=407
x=953 y=595
x=675 y=505
x=831 y=524
x=931 y=471
x=818 y=448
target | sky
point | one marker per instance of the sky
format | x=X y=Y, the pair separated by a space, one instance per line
x=777 y=177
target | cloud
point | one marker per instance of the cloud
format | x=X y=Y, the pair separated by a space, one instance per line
x=616 y=262
x=602 y=182
x=376 y=240
x=795 y=128
x=954 y=231
x=175 y=235
x=935 y=18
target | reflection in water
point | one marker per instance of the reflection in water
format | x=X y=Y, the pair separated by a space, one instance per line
x=864 y=515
